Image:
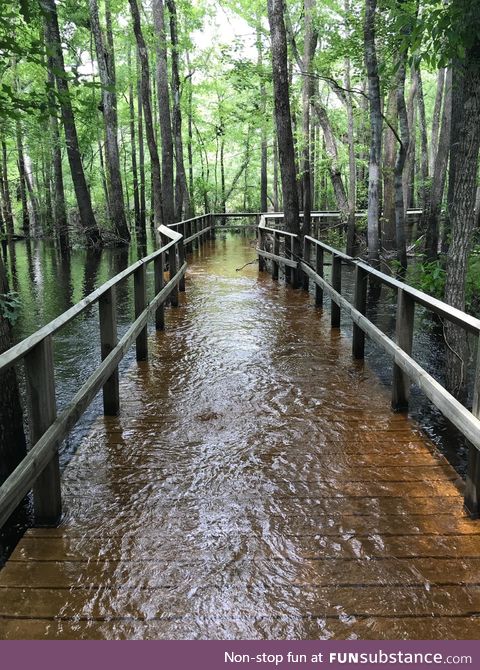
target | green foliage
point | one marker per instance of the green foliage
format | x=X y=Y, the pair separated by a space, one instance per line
x=428 y=276
x=9 y=306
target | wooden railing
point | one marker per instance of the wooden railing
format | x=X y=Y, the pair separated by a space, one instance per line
x=40 y=469
x=307 y=264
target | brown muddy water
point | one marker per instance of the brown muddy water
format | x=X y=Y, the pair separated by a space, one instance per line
x=255 y=485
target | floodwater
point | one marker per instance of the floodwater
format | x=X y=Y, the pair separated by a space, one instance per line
x=255 y=485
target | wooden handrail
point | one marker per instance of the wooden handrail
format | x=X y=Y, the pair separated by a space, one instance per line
x=40 y=467
x=406 y=369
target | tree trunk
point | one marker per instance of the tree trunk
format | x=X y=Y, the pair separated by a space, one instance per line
x=106 y=69
x=275 y=175
x=352 y=167
x=334 y=162
x=437 y=111
x=376 y=132
x=87 y=217
x=462 y=216
x=263 y=111
x=283 y=117
x=424 y=172
x=389 y=157
x=308 y=91
x=22 y=182
x=142 y=229
x=190 y=138
x=147 y=112
x=163 y=95
x=400 y=166
x=431 y=217
x=7 y=199
x=133 y=145
x=183 y=199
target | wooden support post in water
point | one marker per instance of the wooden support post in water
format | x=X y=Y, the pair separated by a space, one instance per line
x=360 y=304
x=212 y=226
x=140 y=290
x=181 y=261
x=158 y=269
x=47 y=497
x=276 y=251
x=262 y=265
x=107 y=306
x=173 y=268
x=472 y=483
x=337 y=285
x=287 y=269
x=295 y=256
x=307 y=257
x=404 y=337
x=319 y=270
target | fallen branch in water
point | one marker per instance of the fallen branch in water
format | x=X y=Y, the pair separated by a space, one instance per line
x=244 y=266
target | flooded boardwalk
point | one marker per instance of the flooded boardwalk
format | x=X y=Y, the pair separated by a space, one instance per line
x=255 y=485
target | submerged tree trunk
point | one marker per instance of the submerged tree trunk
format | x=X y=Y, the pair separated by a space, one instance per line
x=87 y=217
x=105 y=60
x=376 y=132
x=283 y=117
x=147 y=112
x=163 y=95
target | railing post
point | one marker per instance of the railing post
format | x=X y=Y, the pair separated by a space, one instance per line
x=140 y=291
x=337 y=286
x=319 y=270
x=212 y=226
x=262 y=265
x=173 y=268
x=360 y=304
x=404 y=337
x=107 y=306
x=472 y=483
x=307 y=254
x=158 y=269
x=188 y=234
x=288 y=270
x=181 y=261
x=295 y=255
x=276 y=251
x=40 y=379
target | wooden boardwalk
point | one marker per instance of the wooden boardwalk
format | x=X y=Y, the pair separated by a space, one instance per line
x=255 y=485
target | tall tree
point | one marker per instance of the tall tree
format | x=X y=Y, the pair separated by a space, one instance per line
x=164 y=112
x=283 y=116
x=147 y=112
x=375 y=103
x=106 y=70
x=54 y=45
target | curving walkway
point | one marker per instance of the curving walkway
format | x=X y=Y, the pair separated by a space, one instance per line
x=256 y=485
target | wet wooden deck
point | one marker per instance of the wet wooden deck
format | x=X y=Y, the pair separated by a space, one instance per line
x=349 y=526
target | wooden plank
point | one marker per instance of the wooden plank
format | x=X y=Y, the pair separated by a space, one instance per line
x=42 y=412
x=107 y=305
